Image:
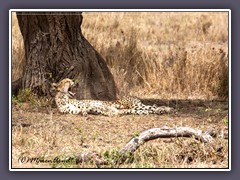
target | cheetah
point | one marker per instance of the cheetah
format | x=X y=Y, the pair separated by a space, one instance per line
x=66 y=103
x=133 y=105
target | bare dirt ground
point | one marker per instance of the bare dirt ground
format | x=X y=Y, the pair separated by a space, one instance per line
x=55 y=139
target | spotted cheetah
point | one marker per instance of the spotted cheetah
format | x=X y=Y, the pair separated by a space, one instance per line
x=66 y=103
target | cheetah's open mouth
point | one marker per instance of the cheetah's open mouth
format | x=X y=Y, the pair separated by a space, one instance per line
x=71 y=94
x=70 y=91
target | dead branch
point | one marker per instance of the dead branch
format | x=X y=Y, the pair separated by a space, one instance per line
x=164 y=132
x=150 y=134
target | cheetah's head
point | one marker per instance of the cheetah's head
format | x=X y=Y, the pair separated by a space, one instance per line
x=64 y=85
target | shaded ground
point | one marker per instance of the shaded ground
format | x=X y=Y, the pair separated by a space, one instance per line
x=44 y=133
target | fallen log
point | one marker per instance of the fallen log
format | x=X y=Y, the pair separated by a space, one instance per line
x=147 y=135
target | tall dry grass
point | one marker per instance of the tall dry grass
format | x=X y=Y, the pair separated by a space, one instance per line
x=156 y=54
x=17 y=49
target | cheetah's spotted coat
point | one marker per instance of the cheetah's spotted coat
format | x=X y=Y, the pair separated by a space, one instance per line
x=126 y=105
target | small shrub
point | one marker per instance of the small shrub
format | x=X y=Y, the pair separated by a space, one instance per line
x=27 y=96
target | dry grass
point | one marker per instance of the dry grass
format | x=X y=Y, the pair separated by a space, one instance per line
x=17 y=50
x=50 y=134
x=157 y=55
x=169 y=55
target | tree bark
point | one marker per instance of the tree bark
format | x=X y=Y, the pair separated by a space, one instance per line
x=55 y=48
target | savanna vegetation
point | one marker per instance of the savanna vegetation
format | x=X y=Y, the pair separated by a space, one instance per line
x=177 y=59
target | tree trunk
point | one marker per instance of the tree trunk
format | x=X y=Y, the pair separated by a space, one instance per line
x=55 y=48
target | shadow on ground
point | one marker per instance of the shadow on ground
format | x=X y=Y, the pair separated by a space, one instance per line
x=193 y=108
